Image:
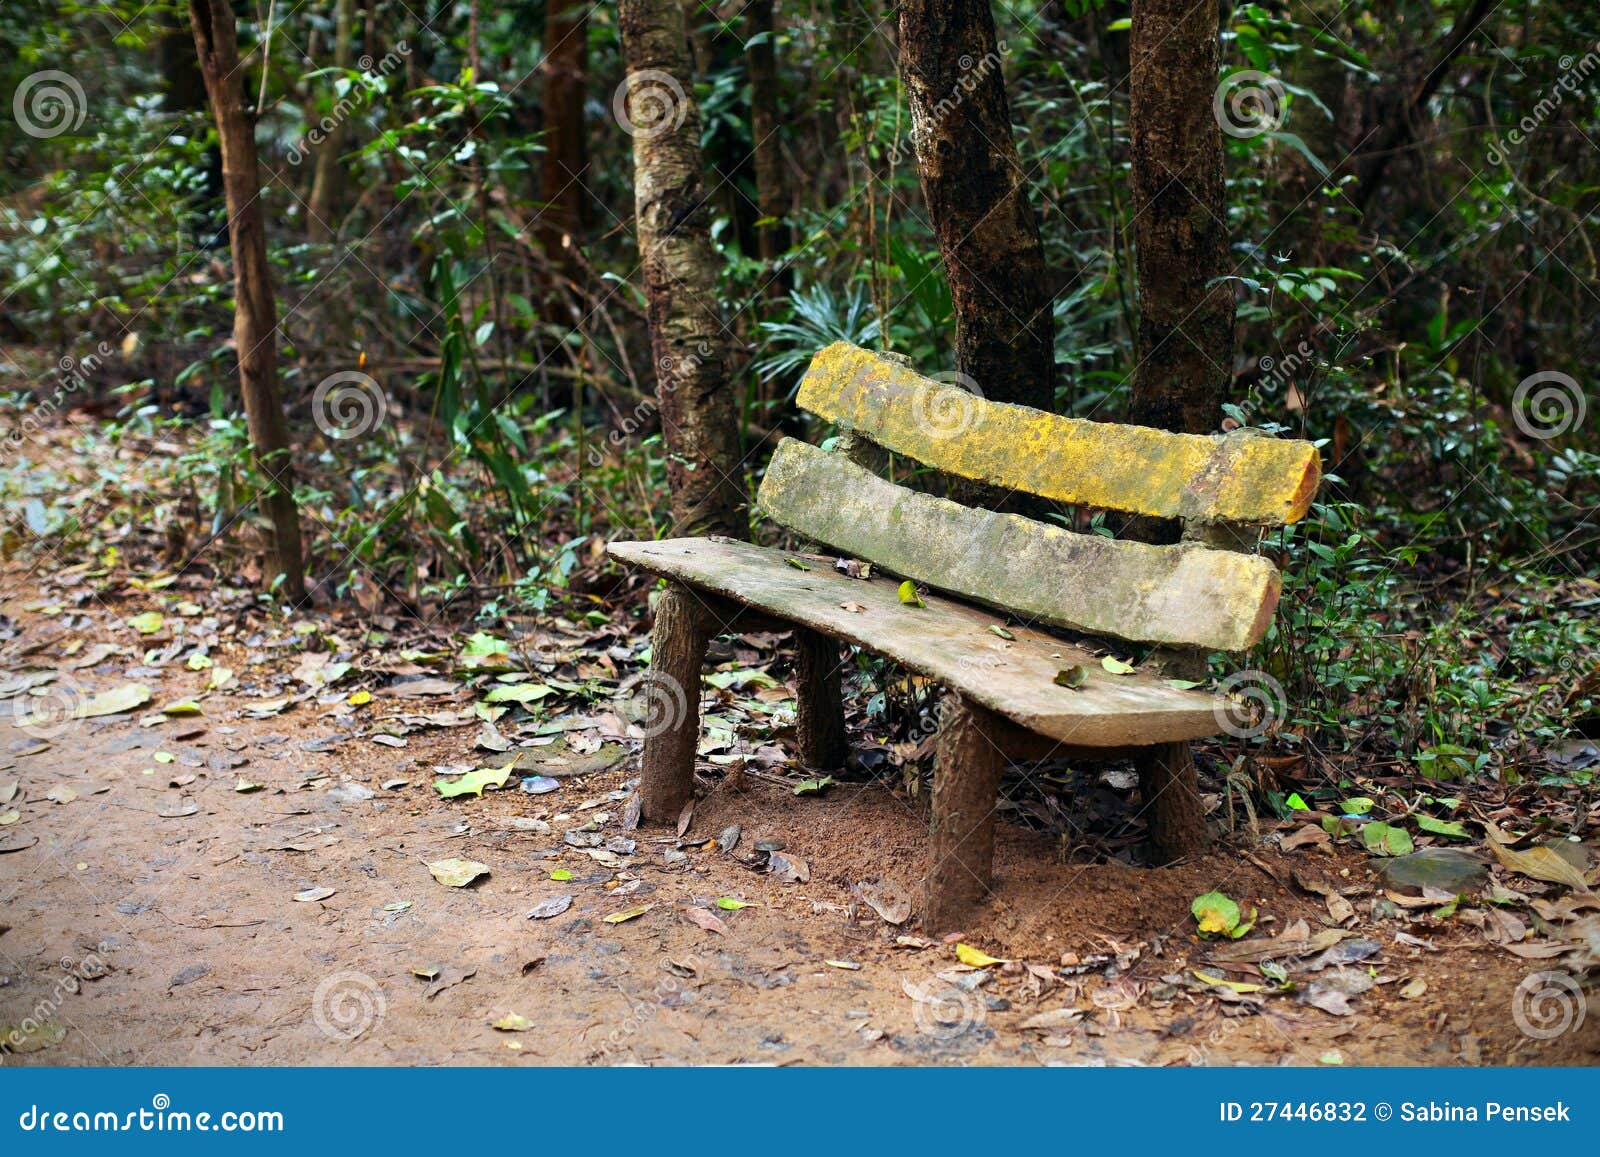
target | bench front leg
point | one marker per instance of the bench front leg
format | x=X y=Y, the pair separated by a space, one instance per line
x=966 y=789
x=1169 y=790
x=820 y=722
x=672 y=696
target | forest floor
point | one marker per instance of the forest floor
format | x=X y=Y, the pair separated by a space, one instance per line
x=234 y=868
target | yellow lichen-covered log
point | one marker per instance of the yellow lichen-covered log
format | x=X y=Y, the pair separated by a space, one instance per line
x=1184 y=595
x=1241 y=477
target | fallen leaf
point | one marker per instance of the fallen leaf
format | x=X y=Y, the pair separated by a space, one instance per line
x=1238 y=986
x=975 y=958
x=474 y=782
x=1116 y=666
x=148 y=623
x=546 y=909
x=627 y=914
x=312 y=895
x=729 y=904
x=1072 y=677
x=457 y=873
x=513 y=1022
x=709 y=921
x=908 y=595
x=1541 y=863
x=61 y=793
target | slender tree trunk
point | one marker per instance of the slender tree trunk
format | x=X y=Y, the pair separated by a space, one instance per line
x=327 y=185
x=255 y=322
x=1185 y=343
x=694 y=387
x=566 y=157
x=977 y=199
x=772 y=202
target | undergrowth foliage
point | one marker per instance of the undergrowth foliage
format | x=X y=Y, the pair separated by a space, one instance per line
x=1439 y=603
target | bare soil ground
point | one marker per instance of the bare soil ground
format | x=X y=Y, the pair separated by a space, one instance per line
x=198 y=952
x=246 y=881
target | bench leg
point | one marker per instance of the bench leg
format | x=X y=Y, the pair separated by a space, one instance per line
x=672 y=690
x=966 y=785
x=823 y=744
x=1170 y=791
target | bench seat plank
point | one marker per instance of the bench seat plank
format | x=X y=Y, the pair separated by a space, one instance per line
x=1239 y=478
x=947 y=641
x=1176 y=595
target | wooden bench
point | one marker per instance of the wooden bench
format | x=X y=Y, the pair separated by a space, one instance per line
x=1004 y=669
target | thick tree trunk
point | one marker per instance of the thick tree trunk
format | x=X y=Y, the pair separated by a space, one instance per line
x=1185 y=343
x=966 y=788
x=977 y=198
x=566 y=158
x=820 y=705
x=255 y=322
x=772 y=202
x=1170 y=794
x=672 y=699
x=694 y=382
x=327 y=185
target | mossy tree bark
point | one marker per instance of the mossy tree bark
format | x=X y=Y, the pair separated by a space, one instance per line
x=977 y=196
x=255 y=321
x=1185 y=345
x=690 y=344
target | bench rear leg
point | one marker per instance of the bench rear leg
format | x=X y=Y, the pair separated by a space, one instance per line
x=966 y=787
x=1171 y=794
x=823 y=743
x=672 y=690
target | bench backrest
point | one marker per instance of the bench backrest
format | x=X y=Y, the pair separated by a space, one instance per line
x=1183 y=595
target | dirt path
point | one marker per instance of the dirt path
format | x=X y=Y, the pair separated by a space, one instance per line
x=172 y=895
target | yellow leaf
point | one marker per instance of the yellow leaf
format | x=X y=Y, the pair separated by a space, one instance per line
x=627 y=914
x=1236 y=985
x=360 y=699
x=969 y=955
x=513 y=1022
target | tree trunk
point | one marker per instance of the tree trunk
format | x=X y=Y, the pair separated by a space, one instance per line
x=694 y=385
x=327 y=185
x=772 y=202
x=1169 y=792
x=977 y=198
x=1185 y=343
x=824 y=744
x=566 y=40
x=966 y=788
x=255 y=322
x=672 y=705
